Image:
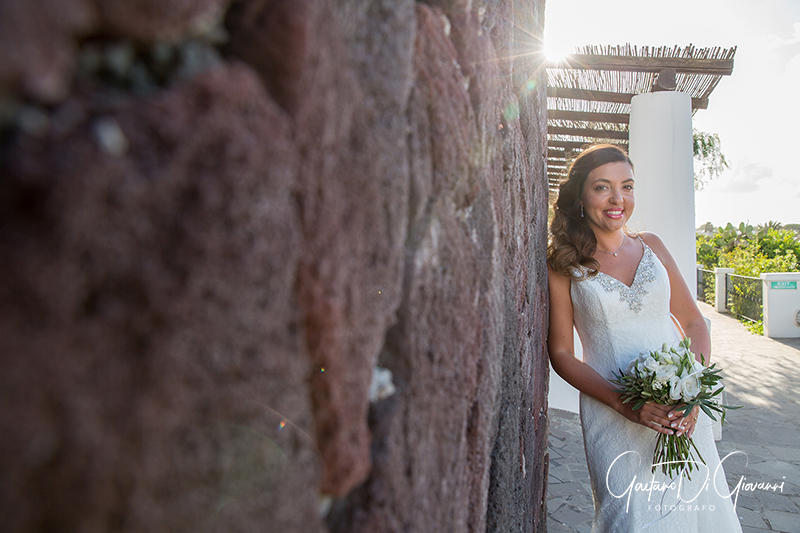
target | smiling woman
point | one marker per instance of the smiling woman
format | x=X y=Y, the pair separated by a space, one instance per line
x=607 y=206
x=624 y=295
x=608 y=199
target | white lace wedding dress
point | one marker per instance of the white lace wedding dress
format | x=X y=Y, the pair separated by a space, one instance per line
x=616 y=323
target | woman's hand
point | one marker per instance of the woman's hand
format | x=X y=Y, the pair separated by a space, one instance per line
x=664 y=419
x=683 y=424
x=655 y=416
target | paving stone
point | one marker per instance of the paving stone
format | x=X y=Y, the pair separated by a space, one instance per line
x=561 y=473
x=776 y=502
x=580 y=472
x=750 y=518
x=785 y=522
x=559 y=434
x=566 y=489
x=755 y=453
x=748 y=501
x=790 y=454
x=778 y=471
x=554 y=453
x=557 y=527
x=582 y=503
x=553 y=504
x=569 y=517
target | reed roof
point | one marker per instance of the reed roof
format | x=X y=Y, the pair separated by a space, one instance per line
x=589 y=92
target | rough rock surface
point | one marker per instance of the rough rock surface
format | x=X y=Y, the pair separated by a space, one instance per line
x=199 y=281
x=39 y=38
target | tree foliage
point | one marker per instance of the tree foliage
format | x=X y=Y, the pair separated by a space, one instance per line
x=708 y=157
x=748 y=251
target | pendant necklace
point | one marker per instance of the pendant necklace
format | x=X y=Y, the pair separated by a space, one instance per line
x=618 y=249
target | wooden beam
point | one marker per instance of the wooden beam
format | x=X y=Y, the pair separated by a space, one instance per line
x=554 y=153
x=570 y=145
x=604 y=96
x=614 y=118
x=684 y=65
x=587 y=132
x=578 y=147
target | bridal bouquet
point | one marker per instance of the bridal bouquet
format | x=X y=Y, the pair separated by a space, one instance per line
x=672 y=376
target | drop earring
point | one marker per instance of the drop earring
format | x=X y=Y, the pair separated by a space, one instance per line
x=581 y=210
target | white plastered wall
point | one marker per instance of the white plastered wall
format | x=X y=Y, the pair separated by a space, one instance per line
x=660 y=145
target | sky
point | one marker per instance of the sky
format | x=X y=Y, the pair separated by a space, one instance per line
x=755 y=111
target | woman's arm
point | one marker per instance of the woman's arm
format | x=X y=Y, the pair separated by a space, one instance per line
x=579 y=374
x=682 y=304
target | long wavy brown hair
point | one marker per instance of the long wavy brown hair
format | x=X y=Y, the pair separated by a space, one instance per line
x=572 y=242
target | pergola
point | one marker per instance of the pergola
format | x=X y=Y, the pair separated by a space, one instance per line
x=589 y=93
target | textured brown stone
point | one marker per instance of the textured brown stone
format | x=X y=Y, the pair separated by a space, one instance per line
x=155 y=19
x=38 y=49
x=37 y=46
x=199 y=284
x=272 y=37
x=151 y=347
x=353 y=187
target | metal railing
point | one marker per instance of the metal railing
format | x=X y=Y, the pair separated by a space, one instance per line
x=744 y=297
x=706 y=284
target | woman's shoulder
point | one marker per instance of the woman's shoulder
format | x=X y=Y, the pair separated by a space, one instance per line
x=561 y=281
x=657 y=246
x=652 y=240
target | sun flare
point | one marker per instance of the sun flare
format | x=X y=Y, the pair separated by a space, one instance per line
x=555 y=52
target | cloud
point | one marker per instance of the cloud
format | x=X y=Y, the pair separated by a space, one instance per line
x=776 y=41
x=746 y=178
x=793 y=66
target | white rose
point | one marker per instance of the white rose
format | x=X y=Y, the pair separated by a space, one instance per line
x=665 y=371
x=685 y=387
x=674 y=389
x=651 y=365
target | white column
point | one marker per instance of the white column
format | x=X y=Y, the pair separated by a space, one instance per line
x=781 y=304
x=562 y=395
x=720 y=292
x=660 y=146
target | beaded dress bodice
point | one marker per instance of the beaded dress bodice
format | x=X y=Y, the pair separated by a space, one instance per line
x=616 y=322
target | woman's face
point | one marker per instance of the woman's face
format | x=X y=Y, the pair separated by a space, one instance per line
x=608 y=197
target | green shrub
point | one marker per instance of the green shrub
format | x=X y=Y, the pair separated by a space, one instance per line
x=748 y=253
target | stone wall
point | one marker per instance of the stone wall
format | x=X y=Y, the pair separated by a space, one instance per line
x=222 y=222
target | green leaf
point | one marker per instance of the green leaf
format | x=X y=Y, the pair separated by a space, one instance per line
x=707 y=411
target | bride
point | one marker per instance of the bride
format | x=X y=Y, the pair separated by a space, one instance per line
x=624 y=294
